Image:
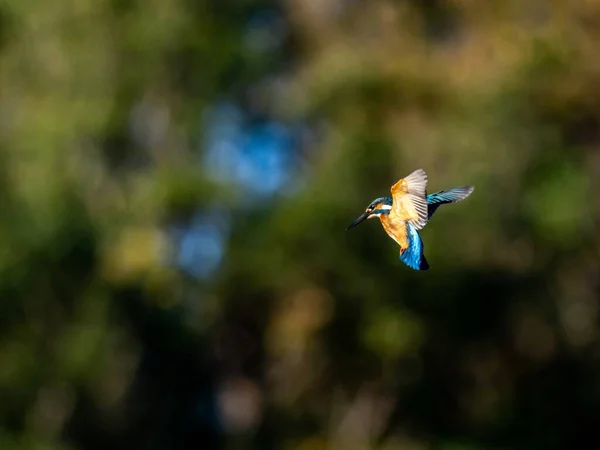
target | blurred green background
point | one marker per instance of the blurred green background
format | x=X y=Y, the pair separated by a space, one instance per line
x=175 y=181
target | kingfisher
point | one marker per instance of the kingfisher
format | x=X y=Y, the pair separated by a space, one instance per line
x=407 y=211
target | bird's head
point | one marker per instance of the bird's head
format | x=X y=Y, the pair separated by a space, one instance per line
x=379 y=206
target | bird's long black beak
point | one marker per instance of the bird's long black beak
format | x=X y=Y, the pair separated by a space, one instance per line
x=358 y=220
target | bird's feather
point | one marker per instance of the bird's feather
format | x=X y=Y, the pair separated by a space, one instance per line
x=413 y=255
x=395 y=228
x=410 y=199
x=434 y=201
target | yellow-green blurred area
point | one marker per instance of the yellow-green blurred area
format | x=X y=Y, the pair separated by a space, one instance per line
x=176 y=177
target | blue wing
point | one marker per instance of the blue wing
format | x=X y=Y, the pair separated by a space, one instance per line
x=434 y=201
x=413 y=256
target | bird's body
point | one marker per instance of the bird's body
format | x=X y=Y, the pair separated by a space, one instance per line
x=407 y=211
x=396 y=229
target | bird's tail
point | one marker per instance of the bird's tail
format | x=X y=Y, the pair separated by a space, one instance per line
x=413 y=256
x=434 y=201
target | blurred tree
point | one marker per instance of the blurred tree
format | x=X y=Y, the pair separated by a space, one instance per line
x=175 y=181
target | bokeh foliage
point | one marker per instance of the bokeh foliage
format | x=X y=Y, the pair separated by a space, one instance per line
x=303 y=337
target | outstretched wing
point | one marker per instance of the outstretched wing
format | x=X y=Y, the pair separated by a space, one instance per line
x=410 y=199
x=450 y=196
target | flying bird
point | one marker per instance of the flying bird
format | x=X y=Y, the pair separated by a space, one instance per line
x=407 y=211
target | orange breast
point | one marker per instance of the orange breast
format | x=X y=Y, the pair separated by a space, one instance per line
x=396 y=229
